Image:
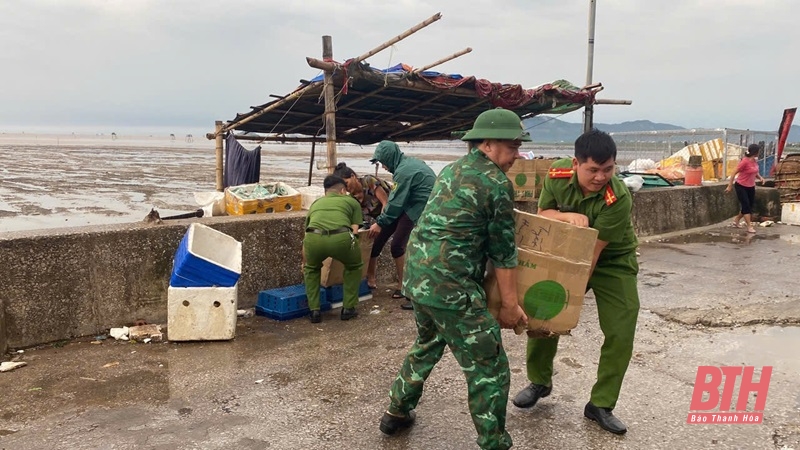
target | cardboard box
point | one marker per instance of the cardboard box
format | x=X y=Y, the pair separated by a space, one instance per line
x=333 y=271
x=527 y=176
x=554 y=263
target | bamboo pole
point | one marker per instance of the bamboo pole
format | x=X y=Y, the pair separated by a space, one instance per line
x=407 y=84
x=311 y=163
x=330 y=105
x=443 y=60
x=321 y=65
x=456 y=127
x=412 y=108
x=399 y=37
x=280 y=138
x=342 y=107
x=608 y=101
x=218 y=137
x=277 y=104
x=422 y=124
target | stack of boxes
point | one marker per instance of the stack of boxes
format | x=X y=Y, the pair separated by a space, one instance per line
x=528 y=176
x=202 y=296
x=553 y=270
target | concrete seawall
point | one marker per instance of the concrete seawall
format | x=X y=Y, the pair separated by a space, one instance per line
x=60 y=284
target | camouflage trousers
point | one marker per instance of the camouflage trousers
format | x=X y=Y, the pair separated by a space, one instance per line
x=474 y=338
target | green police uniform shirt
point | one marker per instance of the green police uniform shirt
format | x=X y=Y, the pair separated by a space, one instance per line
x=334 y=211
x=609 y=211
x=468 y=220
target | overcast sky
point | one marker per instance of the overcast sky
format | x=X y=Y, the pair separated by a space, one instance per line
x=694 y=63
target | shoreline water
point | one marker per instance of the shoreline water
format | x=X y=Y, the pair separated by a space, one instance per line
x=57 y=180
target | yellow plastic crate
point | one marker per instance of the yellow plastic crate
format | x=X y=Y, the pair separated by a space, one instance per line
x=238 y=206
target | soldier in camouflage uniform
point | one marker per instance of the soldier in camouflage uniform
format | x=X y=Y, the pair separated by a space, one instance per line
x=468 y=220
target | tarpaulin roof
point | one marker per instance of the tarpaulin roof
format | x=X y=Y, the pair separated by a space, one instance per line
x=401 y=105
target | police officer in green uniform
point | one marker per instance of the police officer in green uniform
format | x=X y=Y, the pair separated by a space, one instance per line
x=332 y=232
x=585 y=191
x=468 y=220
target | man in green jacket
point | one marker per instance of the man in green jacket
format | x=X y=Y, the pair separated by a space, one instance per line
x=332 y=232
x=468 y=222
x=585 y=191
x=413 y=181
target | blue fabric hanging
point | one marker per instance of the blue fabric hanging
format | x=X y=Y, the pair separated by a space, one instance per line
x=242 y=166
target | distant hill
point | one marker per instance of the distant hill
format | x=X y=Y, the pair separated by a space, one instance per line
x=794 y=134
x=548 y=129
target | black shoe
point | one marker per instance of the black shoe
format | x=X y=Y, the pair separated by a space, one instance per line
x=407 y=305
x=390 y=424
x=348 y=313
x=528 y=397
x=315 y=316
x=605 y=418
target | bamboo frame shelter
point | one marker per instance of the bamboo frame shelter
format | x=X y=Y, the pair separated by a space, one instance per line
x=402 y=105
x=356 y=103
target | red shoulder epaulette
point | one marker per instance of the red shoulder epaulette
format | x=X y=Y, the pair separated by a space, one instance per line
x=610 y=196
x=563 y=172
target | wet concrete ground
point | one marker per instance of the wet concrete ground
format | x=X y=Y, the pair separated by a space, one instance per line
x=711 y=298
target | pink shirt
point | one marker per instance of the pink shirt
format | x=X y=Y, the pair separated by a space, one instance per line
x=747 y=168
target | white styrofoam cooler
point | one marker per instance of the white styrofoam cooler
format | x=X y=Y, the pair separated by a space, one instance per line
x=201 y=313
x=308 y=194
x=790 y=213
x=205 y=258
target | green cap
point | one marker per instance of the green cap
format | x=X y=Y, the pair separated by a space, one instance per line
x=497 y=123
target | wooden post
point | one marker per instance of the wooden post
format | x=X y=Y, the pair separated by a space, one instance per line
x=218 y=133
x=311 y=164
x=330 y=105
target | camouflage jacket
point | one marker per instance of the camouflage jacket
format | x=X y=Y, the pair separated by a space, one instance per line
x=467 y=221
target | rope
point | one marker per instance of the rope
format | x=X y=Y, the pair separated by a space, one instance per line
x=545 y=121
x=388 y=66
x=339 y=94
x=284 y=114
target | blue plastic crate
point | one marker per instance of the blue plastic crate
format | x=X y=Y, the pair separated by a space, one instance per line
x=206 y=258
x=336 y=292
x=288 y=302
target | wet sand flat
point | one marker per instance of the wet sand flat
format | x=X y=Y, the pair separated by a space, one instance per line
x=54 y=181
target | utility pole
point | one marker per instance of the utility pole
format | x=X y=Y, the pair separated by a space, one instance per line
x=588 y=111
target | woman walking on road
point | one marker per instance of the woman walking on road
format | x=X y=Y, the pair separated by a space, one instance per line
x=744 y=181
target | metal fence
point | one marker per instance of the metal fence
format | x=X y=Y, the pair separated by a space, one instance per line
x=660 y=145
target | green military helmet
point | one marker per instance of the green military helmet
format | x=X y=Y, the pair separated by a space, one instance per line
x=497 y=123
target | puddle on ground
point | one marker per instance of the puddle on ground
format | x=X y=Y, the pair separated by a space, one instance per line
x=717 y=237
x=773 y=346
x=793 y=238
